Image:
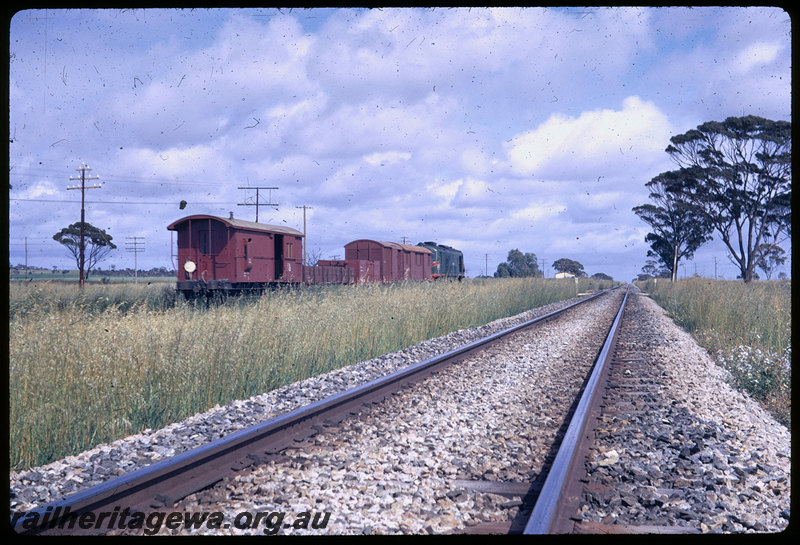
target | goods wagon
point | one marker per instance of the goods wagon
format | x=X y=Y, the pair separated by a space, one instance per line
x=391 y=262
x=328 y=272
x=217 y=254
x=233 y=254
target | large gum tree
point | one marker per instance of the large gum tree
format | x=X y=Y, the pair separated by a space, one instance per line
x=738 y=177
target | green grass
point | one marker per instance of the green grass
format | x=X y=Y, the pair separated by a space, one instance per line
x=746 y=327
x=89 y=367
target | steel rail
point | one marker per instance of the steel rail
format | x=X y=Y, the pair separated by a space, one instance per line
x=159 y=485
x=548 y=513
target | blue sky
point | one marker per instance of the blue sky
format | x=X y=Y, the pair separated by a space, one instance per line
x=486 y=129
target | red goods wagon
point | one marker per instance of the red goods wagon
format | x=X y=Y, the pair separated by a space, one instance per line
x=365 y=271
x=377 y=253
x=232 y=254
x=416 y=262
x=331 y=263
x=391 y=262
x=227 y=255
x=362 y=270
x=328 y=272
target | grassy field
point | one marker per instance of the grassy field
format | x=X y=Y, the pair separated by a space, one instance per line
x=89 y=367
x=746 y=327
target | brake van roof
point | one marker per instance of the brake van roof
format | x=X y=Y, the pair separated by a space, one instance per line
x=238 y=224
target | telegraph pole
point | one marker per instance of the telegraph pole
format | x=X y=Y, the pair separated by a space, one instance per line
x=134 y=246
x=257 y=203
x=305 y=241
x=83 y=187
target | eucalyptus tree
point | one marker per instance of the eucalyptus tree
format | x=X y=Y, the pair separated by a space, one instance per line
x=678 y=228
x=771 y=259
x=570 y=266
x=518 y=265
x=655 y=269
x=737 y=175
x=97 y=243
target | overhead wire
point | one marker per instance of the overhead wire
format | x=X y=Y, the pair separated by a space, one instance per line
x=116 y=178
x=115 y=202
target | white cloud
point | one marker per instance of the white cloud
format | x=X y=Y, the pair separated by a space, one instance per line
x=471 y=192
x=476 y=162
x=757 y=55
x=445 y=190
x=593 y=143
x=386 y=157
x=538 y=212
x=40 y=189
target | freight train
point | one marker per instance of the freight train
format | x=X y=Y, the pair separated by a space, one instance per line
x=228 y=255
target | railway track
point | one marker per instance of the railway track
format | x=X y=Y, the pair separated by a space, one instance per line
x=673 y=449
x=555 y=502
x=488 y=446
x=164 y=483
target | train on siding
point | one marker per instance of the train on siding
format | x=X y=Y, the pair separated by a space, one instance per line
x=227 y=255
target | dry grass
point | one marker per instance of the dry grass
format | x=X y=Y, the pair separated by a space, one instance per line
x=90 y=368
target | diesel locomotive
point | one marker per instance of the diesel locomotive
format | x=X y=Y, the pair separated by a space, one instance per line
x=447 y=262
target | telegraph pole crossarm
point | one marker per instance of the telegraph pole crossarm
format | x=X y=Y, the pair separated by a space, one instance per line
x=136 y=245
x=257 y=203
x=83 y=187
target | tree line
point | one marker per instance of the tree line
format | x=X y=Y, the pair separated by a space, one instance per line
x=520 y=264
x=733 y=180
x=20 y=268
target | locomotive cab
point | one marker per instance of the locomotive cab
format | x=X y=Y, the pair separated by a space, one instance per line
x=447 y=262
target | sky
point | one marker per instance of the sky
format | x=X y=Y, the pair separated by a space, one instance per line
x=484 y=129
